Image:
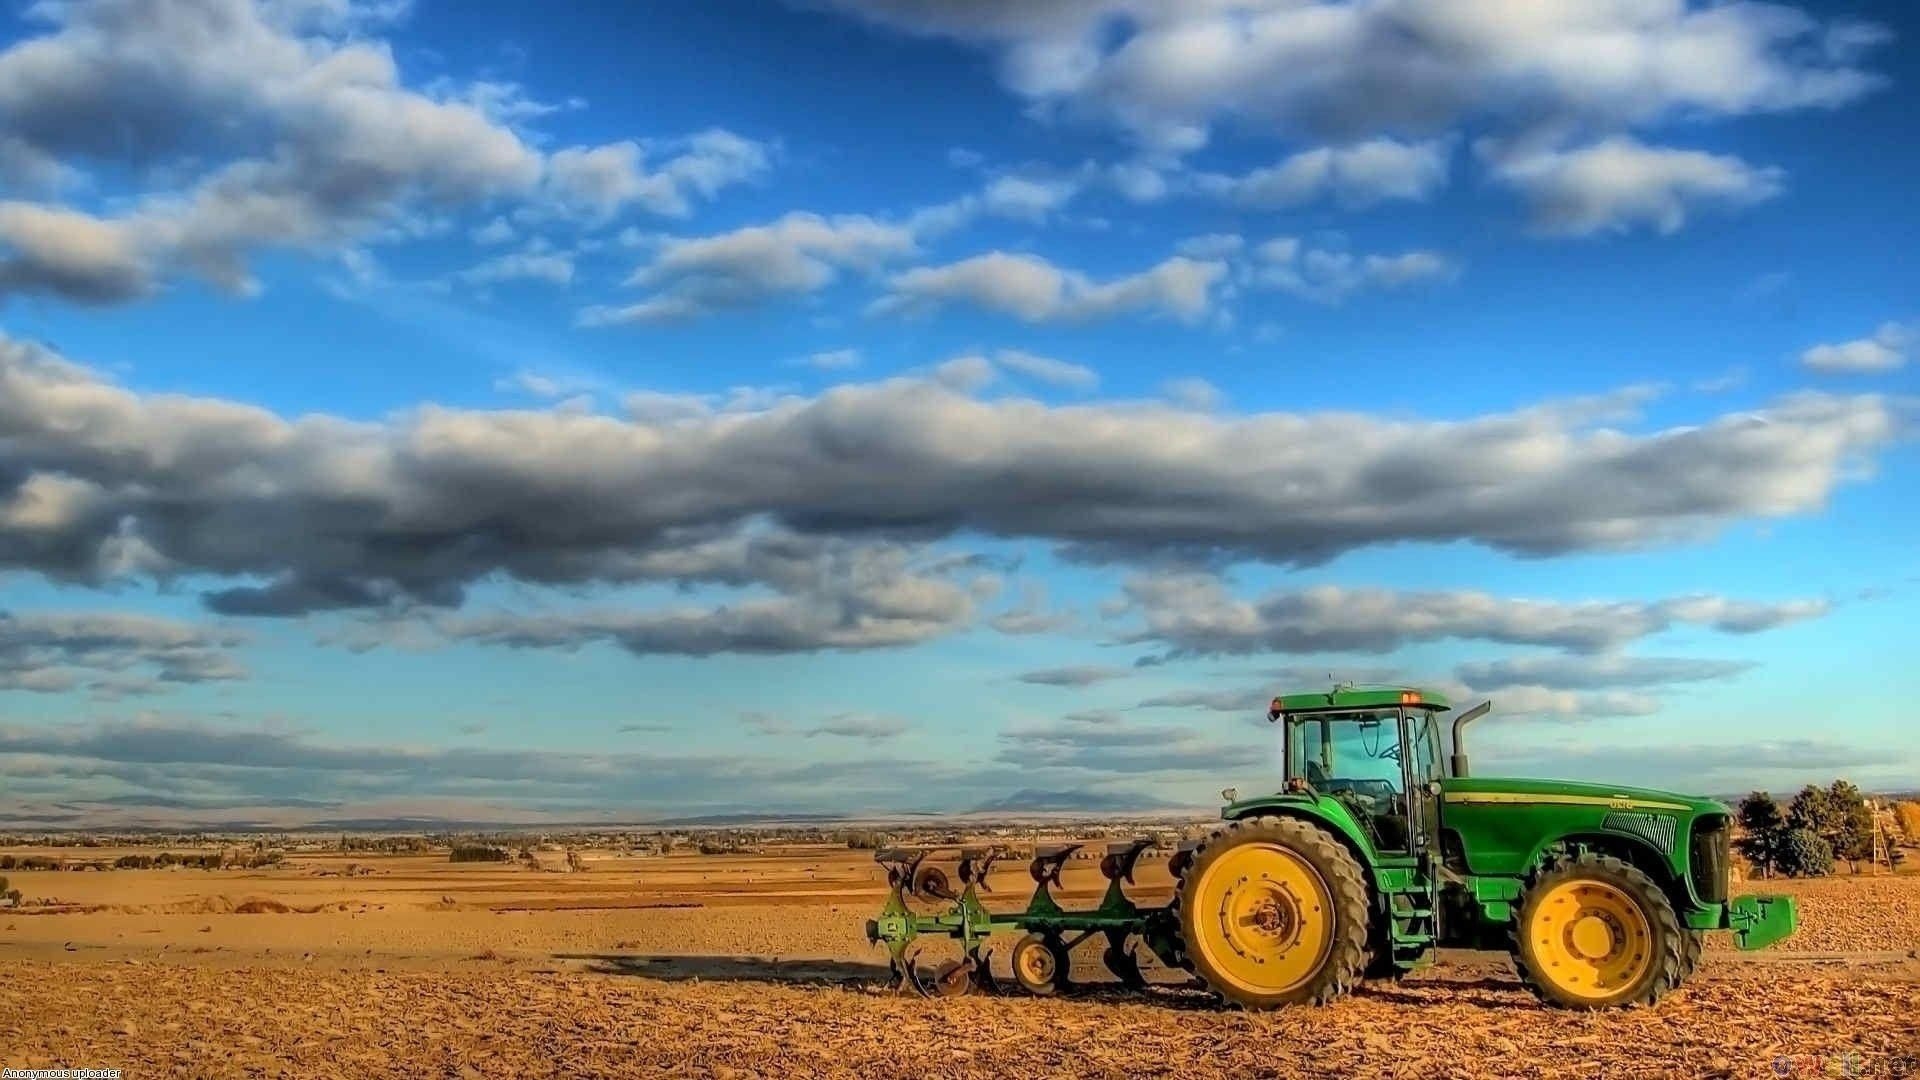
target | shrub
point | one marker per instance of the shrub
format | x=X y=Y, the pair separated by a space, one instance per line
x=478 y=853
x=1804 y=853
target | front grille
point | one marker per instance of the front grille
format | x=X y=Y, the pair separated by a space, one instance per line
x=1708 y=858
x=1655 y=829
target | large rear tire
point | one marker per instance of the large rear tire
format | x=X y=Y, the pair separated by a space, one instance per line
x=1273 y=912
x=1594 y=932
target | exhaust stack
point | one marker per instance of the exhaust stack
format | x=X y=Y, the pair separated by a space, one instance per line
x=1458 y=764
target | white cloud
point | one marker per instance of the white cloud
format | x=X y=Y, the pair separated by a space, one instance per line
x=1328 y=276
x=553 y=268
x=1212 y=246
x=1169 y=72
x=799 y=253
x=598 y=182
x=1355 y=175
x=1193 y=614
x=1192 y=392
x=549 y=385
x=497 y=231
x=833 y=360
x=1619 y=184
x=301 y=513
x=273 y=126
x=1025 y=199
x=1045 y=369
x=1885 y=350
x=292 y=132
x=966 y=374
x=1031 y=289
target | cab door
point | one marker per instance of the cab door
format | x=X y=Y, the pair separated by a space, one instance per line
x=1421 y=753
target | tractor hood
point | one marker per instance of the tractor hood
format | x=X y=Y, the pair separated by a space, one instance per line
x=1502 y=789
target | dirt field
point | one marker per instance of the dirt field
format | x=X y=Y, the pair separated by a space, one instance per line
x=757 y=964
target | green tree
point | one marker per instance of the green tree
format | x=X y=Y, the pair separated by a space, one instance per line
x=1813 y=810
x=1761 y=829
x=1804 y=853
x=1852 y=835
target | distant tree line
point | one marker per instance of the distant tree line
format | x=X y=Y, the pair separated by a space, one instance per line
x=211 y=860
x=1819 y=826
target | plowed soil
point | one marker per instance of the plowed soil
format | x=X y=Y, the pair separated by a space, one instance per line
x=756 y=965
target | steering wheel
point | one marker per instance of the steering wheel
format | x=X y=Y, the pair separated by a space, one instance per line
x=1369 y=795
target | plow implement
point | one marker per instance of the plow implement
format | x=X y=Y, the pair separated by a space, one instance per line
x=1039 y=959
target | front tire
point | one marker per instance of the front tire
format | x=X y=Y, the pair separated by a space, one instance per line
x=1273 y=912
x=1594 y=932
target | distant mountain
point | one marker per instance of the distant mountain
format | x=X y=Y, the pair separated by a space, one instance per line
x=752 y=817
x=1033 y=801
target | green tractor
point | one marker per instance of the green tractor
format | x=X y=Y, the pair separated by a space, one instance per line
x=1377 y=851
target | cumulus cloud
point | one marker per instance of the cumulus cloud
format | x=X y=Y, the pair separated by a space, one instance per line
x=799 y=253
x=306 y=135
x=1884 y=350
x=1619 y=184
x=1194 y=614
x=598 y=182
x=113 y=655
x=271 y=126
x=1327 y=276
x=830 y=595
x=1033 y=290
x=1355 y=175
x=973 y=371
x=99 y=482
x=1169 y=72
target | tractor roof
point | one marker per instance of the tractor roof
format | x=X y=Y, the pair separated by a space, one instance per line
x=1342 y=698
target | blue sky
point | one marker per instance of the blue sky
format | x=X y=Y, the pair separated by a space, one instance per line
x=876 y=405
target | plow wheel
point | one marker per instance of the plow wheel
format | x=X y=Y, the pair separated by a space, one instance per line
x=1596 y=932
x=951 y=979
x=955 y=978
x=1273 y=911
x=1040 y=964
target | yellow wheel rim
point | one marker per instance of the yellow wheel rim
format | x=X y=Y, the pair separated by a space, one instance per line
x=1036 y=964
x=1263 y=918
x=1592 y=940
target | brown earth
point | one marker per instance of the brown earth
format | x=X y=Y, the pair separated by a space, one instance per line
x=757 y=964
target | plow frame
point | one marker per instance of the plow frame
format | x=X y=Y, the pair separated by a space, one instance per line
x=969 y=921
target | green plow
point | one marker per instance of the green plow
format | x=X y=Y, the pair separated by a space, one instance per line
x=1039 y=960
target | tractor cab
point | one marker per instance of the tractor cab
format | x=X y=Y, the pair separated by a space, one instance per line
x=1376 y=751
